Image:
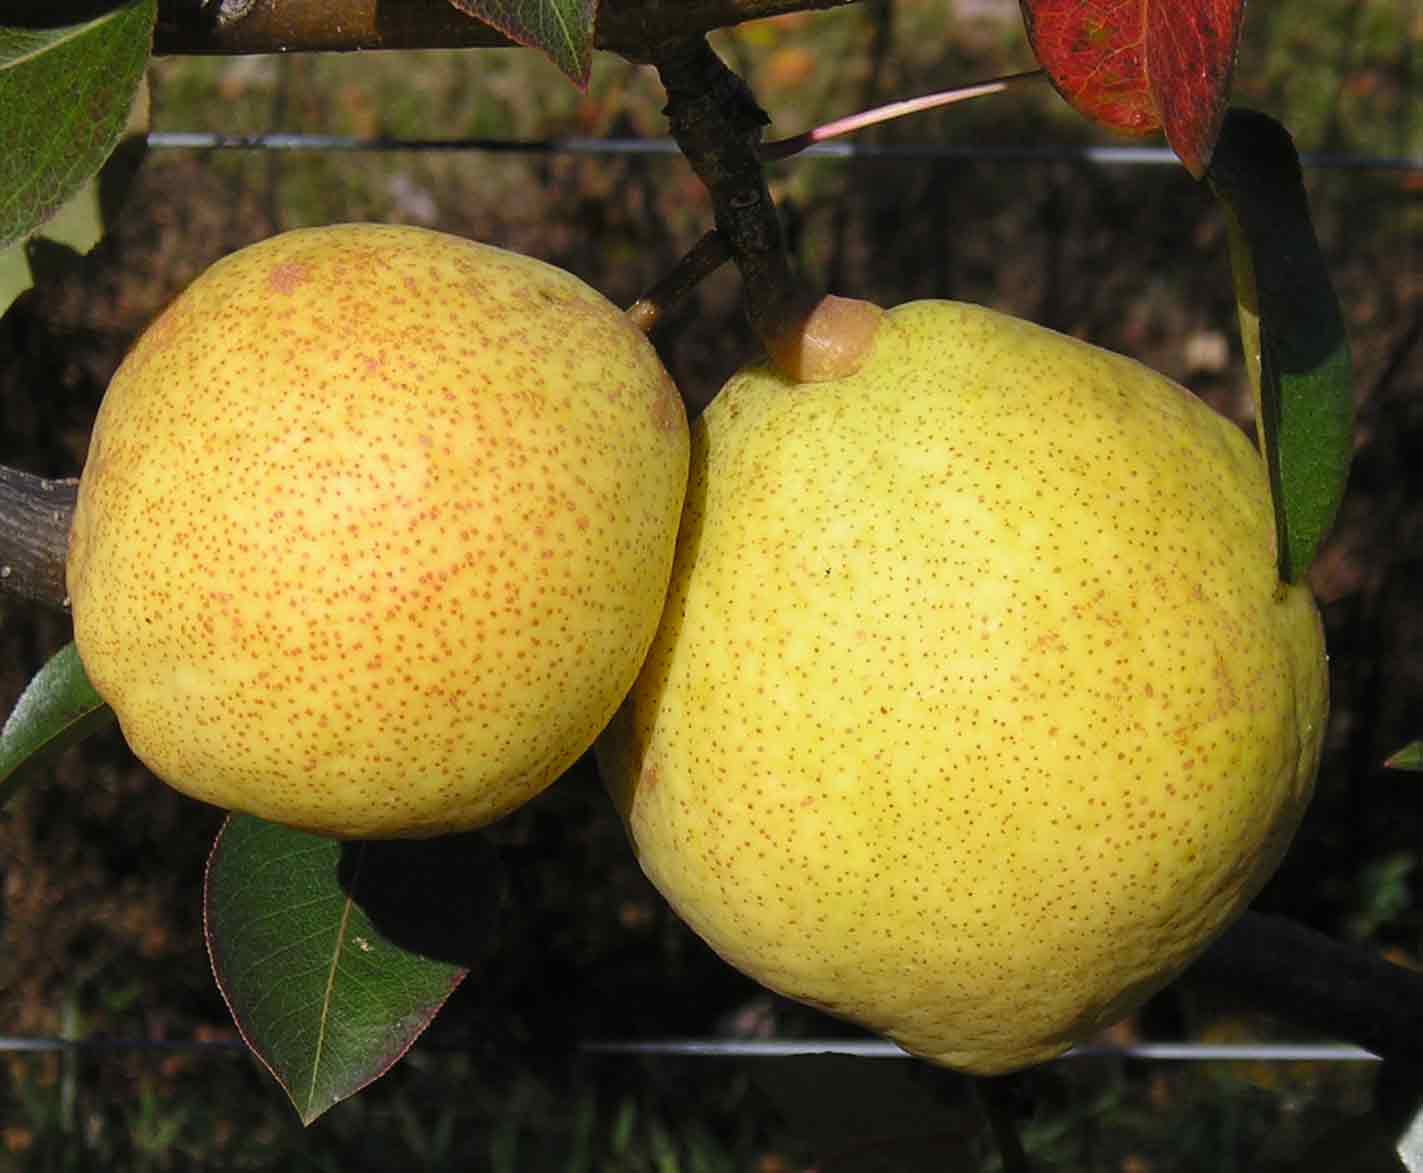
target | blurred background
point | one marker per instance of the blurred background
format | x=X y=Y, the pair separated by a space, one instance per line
x=101 y=866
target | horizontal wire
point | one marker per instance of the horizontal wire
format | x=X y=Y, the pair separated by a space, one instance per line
x=573 y=145
x=41 y=1045
x=769 y=1048
x=879 y=1049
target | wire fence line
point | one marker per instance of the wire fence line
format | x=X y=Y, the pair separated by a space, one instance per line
x=882 y=1049
x=575 y=145
x=756 y=1049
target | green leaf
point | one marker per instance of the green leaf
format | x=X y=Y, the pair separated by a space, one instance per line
x=1410 y=757
x=84 y=218
x=58 y=708
x=561 y=28
x=65 y=96
x=334 y=957
x=1292 y=331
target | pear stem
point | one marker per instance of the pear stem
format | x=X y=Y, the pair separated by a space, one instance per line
x=704 y=259
x=1003 y=1103
x=718 y=124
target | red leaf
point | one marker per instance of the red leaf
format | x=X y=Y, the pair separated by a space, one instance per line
x=1139 y=66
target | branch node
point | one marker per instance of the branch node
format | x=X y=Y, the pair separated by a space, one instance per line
x=718 y=124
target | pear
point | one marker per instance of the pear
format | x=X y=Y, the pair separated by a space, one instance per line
x=977 y=709
x=375 y=528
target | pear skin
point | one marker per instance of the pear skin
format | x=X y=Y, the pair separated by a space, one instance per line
x=977 y=709
x=375 y=528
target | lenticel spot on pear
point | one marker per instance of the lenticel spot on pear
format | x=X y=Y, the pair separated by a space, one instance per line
x=977 y=709
x=375 y=529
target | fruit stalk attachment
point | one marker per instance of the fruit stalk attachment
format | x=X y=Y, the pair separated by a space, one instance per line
x=1004 y=1103
x=718 y=123
x=705 y=258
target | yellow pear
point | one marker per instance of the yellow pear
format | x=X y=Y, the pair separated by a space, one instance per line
x=977 y=709
x=375 y=528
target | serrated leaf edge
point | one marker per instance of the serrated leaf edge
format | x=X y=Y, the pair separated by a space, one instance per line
x=307 y=1115
x=72 y=32
x=519 y=37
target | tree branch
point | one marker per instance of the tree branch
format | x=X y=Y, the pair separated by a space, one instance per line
x=638 y=29
x=34 y=535
x=1319 y=984
x=718 y=125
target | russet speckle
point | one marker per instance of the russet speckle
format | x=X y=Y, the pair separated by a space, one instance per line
x=375 y=530
x=975 y=711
